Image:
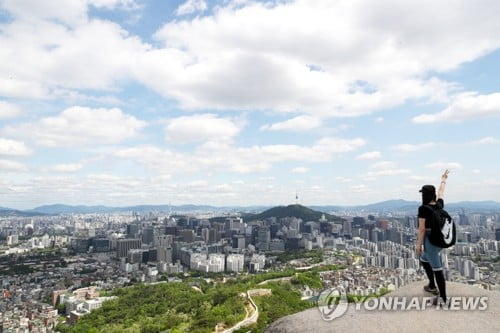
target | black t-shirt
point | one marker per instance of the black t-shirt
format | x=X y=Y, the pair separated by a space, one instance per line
x=425 y=212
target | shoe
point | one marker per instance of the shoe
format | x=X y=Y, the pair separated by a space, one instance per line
x=438 y=301
x=433 y=291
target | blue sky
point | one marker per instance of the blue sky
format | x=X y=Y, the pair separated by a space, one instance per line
x=236 y=102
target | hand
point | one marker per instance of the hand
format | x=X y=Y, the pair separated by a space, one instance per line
x=444 y=177
x=419 y=250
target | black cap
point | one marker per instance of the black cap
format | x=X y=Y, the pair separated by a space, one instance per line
x=428 y=189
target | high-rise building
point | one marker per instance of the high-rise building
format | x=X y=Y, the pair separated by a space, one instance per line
x=133 y=230
x=164 y=240
x=148 y=235
x=187 y=235
x=238 y=242
x=124 y=245
x=164 y=254
x=264 y=238
x=347 y=229
x=235 y=262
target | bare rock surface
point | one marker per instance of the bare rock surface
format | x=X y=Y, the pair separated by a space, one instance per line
x=430 y=319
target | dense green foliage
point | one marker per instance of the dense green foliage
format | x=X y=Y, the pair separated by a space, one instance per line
x=311 y=279
x=195 y=305
x=155 y=308
x=298 y=211
x=315 y=255
x=284 y=300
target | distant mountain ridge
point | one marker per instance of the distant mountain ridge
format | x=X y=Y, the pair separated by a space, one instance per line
x=380 y=207
x=4 y=211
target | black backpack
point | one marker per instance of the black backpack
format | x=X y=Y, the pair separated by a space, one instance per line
x=443 y=230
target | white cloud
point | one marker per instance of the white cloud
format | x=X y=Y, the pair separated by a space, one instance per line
x=7 y=165
x=485 y=141
x=422 y=179
x=300 y=170
x=299 y=123
x=323 y=58
x=66 y=168
x=409 y=148
x=78 y=126
x=371 y=155
x=469 y=105
x=13 y=148
x=191 y=6
x=201 y=127
x=361 y=189
x=112 y=4
x=68 y=58
x=296 y=59
x=384 y=165
x=379 y=120
x=386 y=172
x=69 y=12
x=9 y=110
x=441 y=166
x=476 y=171
x=237 y=159
x=72 y=12
x=343 y=179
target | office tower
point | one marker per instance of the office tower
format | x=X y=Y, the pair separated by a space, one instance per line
x=133 y=230
x=187 y=235
x=358 y=221
x=238 y=242
x=124 y=245
x=347 y=229
x=164 y=240
x=264 y=238
x=164 y=254
x=148 y=235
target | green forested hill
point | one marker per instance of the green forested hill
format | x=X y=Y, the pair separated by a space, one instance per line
x=178 y=307
x=299 y=211
x=164 y=306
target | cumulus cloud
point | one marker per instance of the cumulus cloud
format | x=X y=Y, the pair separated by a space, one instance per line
x=441 y=166
x=7 y=165
x=383 y=165
x=13 y=148
x=191 y=6
x=9 y=110
x=485 y=141
x=371 y=155
x=237 y=159
x=297 y=58
x=410 y=148
x=65 y=168
x=298 y=124
x=300 y=170
x=465 y=106
x=386 y=172
x=201 y=127
x=343 y=179
x=315 y=68
x=68 y=58
x=77 y=126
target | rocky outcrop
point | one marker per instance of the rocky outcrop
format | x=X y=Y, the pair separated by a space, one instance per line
x=362 y=318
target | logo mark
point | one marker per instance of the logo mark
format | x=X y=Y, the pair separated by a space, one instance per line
x=332 y=303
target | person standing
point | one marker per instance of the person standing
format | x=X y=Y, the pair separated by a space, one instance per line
x=430 y=254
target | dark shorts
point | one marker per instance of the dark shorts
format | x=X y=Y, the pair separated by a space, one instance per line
x=431 y=254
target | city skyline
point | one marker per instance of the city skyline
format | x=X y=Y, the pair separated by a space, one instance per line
x=124 y=102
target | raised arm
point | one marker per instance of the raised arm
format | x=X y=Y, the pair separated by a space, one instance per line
x=442 y=186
